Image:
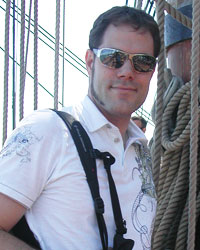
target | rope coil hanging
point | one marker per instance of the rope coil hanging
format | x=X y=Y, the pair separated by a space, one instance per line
x=178 y=210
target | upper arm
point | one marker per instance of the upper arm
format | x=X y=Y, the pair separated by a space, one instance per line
x=10 y=212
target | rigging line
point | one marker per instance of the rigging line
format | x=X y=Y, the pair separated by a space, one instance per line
x=46 y=33
x=65 y=60
x=146 y=6
x=54 y=50
x=60 y=43
x=56 y=60
x=63 y=71
x=22 y=62
x=13 y=80
x=32 y=77
x=28 y=34
x=6 y=69
x=83 y=66
x=35 y=105
x=150 y=7
x=81 y=72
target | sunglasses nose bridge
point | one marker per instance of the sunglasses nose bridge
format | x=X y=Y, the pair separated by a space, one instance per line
x=130 y=58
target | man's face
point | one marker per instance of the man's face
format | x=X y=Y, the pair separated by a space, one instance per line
x=119 y=92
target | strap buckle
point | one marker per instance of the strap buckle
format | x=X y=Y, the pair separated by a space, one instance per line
x=121 y=229
x=99 y=205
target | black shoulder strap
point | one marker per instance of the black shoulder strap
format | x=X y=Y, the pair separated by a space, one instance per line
x=88 y=160
x=22 y=231
x=88 y=157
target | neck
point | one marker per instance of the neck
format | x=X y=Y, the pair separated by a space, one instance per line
x=120 y=122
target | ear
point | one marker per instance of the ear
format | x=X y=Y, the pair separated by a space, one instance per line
x=89 y=59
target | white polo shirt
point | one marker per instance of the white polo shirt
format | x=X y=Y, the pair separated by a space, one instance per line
x=40 y=168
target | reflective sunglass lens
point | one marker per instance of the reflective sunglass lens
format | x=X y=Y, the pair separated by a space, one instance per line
x=143 y=63
x=112 y=58
x=115 y=59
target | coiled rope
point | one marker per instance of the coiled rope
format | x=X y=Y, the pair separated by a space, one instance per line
x=177 y=178
x=156 y=155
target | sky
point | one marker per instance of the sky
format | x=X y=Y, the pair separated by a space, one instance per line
x=79 y=18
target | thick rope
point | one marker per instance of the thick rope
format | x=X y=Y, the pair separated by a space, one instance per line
x=178 y=211
x=56 y=66
x=22 y=62
x=35 y=54
x=6 y=71
x=180 y=17
x=194 y=125
x=173 y=180
x=28 y=36
x=63 y=62
x=156 y=156
x=14 y=69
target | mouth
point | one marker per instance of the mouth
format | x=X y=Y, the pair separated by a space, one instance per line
x=124 y=88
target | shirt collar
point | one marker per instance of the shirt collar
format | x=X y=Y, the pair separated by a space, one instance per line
x=92 y=116
x=93 y=119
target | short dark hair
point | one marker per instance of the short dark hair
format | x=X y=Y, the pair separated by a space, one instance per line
x=141 y=119
x=138 y=19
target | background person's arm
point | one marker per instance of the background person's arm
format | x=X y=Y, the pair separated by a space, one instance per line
x=10 y=213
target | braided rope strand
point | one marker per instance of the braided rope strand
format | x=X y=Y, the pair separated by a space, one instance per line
x=56 y=66
x=22 y=63
x=6 y=71
x=35 y=53
x=194 y=125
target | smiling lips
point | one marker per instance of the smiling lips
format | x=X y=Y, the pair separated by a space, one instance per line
x=124 y=88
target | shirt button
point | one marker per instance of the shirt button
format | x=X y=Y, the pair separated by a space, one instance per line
x=116 y=140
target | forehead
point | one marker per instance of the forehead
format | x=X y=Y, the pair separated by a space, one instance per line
x=126 y=38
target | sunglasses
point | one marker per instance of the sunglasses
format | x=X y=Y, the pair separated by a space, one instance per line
x=115 y=58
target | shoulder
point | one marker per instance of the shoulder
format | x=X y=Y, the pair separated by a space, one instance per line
x=42 y=119
x=43 y=122
x=38 y=128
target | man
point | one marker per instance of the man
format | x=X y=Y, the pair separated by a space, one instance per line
x=41 y=173
x=140 y=122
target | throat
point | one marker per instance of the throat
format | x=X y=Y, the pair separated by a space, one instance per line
x=125 y=138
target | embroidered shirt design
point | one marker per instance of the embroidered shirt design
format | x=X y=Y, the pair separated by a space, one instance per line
x=145 y=202
x=19 y=144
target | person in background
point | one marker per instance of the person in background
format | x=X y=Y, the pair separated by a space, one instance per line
x=41 y=175
x=140 y=122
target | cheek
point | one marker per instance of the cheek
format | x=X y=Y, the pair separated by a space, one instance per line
x=145 y=82
x=102 y=77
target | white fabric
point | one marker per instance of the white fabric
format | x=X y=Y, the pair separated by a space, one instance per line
x=40 y=168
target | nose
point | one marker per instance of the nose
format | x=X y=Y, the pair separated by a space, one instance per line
x=127 y=71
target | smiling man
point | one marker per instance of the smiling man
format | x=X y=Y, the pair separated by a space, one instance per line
x=48 y=183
